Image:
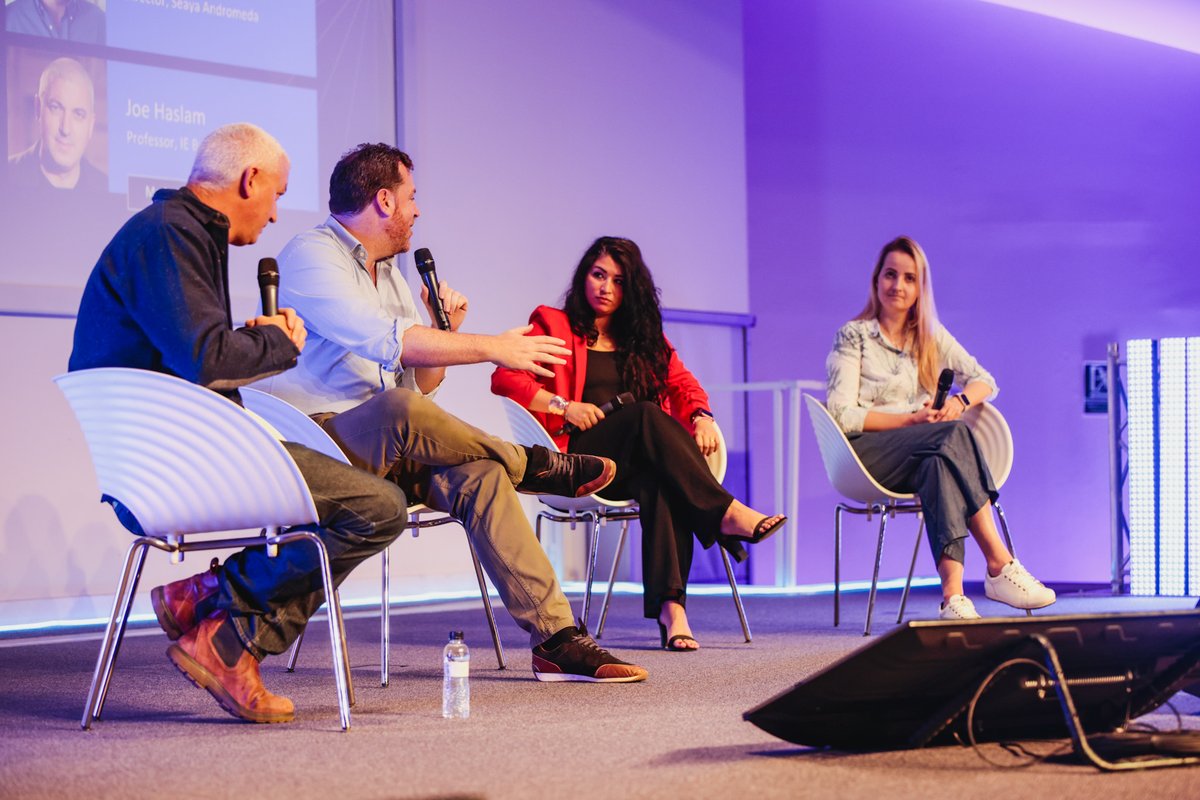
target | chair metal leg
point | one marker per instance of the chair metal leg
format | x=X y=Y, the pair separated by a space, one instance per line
x=385 y=619
x=883 y=516
x=337 y=638
x=345 y=650
x=737 y=597
x=911 y=567
x=487 y=605
x=1004 y=529
x=295 y=653
x=593 y=526
x=837 y=564
x=1008 y=540
x=114 y=631
x=612 y=577
x=122 y=624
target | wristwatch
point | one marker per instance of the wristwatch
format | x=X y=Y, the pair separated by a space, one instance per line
x=966 y=401
x=558 y=405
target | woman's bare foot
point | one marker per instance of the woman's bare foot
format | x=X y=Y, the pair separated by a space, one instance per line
x=673 y=617
x=743 y=522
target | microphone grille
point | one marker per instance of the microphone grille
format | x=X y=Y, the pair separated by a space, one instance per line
x=946 y=378
x=268 y=272
x=424 y=259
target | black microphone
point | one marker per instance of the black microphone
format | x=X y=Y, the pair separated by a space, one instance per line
x=425 y=266
x=943 y=388
x=623 y=399
x=268 y=284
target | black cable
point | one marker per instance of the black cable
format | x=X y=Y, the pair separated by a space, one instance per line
x=1015 y=748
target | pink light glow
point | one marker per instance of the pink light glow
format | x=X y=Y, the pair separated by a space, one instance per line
x=1171 y=23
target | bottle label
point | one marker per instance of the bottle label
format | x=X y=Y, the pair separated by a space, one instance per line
x=459 y=669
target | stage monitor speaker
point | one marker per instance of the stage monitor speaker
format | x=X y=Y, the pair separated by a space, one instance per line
x=1018 y=678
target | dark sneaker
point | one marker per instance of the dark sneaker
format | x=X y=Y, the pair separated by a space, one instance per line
x=565 y=474
x=579 y=658
x=175 y=604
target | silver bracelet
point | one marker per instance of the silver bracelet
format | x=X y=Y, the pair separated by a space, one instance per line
x=558 y=405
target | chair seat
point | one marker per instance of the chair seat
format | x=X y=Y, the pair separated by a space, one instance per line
x=179 y=460
x=851 y=479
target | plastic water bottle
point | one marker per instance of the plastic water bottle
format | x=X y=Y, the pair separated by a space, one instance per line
x=456 y=678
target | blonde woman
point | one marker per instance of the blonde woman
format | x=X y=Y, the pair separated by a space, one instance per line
x=882 y=375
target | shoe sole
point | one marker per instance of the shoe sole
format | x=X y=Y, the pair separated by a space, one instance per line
x=564 y=677
x=166 y=620
x=606 y=477
x=1019 y=608
x=201 y=678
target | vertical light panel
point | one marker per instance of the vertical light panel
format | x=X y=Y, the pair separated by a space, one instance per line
x=1193 y=464
x=1172 y=466
x=1163 y=385
x=1139 y=379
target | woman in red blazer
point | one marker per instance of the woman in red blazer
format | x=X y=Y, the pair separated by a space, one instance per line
x=613 y=323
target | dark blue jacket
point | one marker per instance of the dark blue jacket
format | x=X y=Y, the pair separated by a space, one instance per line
x=158 y=299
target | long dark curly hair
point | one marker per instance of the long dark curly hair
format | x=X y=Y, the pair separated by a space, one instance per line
x=636 y=325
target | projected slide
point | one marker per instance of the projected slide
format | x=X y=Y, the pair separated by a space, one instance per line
x=232 y=32
x=106 y=101
x=157 y=117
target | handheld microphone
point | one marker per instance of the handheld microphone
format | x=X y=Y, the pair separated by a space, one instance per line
x=268 y=284
x=428 y=272
x=943 y=388
x=623 y=399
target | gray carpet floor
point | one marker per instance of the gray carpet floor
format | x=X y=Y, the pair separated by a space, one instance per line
x=679 y=734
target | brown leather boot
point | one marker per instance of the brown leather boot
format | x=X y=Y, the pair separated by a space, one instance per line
x=175 y=603
x=238 y=689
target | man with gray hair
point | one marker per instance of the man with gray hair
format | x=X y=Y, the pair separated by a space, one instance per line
x=65 y=108
x=158 y=299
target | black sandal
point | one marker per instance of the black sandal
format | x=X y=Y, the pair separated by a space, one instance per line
x=672 y=644
x=763 y=529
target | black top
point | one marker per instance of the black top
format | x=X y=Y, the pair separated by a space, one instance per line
x=158 y=299
x=603 y=380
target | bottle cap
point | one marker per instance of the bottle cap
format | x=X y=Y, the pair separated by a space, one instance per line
x=456 y=635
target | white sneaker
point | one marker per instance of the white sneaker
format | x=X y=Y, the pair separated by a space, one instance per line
x=959 y=606
x=1014 y=586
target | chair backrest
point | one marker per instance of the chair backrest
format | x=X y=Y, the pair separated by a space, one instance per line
x=843 y=466
x=994 y=438
x=181 y=458
x=292 y=423
x=718 y=461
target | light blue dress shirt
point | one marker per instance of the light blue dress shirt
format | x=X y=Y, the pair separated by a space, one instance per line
x=355 y=326
x=866 y=372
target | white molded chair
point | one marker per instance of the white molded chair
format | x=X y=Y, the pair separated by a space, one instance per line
x=851 y=479
x=183 y=460
x=595 y=510
x=298 y=427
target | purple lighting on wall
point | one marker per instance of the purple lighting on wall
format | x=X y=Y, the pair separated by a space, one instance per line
x=1171 y=23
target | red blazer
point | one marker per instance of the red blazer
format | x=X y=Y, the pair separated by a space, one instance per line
x=682 y=399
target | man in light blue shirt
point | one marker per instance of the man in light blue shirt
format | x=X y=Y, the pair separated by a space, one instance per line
x=366 y=376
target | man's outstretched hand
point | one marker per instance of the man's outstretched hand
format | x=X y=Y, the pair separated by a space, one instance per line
x=515 y=350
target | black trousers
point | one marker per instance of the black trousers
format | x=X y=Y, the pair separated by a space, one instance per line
x=660 y=466
x=942 y=464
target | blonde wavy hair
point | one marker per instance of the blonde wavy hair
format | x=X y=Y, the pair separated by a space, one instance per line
x=922 y=317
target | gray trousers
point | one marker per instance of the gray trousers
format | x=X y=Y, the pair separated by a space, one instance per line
x=941 y=463
x=457 y=468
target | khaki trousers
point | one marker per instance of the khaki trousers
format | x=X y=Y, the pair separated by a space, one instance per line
x=457 y=468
